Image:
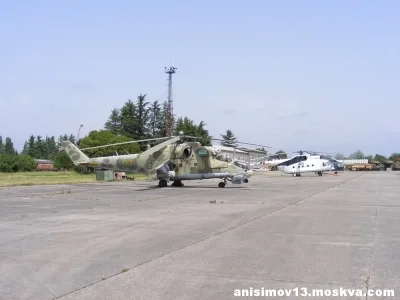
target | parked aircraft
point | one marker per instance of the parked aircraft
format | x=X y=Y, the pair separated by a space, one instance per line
x=308 y=162
x=172 y=160
x=275 y=159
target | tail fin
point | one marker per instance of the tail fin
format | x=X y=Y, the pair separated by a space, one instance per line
x=76 y=155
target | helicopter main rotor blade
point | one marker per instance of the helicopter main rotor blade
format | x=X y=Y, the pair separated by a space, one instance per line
x=277 y=154
x=313 y=152
x=221 y=140
x=124 y=143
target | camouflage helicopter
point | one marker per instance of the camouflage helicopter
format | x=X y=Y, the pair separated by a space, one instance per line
x=171 y=160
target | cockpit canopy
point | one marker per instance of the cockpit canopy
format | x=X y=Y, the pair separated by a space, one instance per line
x=328 y=158
x=223 y=157
x=293 y=160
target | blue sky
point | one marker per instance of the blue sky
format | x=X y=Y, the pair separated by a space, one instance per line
x=293 y=75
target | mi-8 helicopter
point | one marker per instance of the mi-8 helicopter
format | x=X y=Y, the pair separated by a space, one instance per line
x=172 y=160
x=275 y=159
x=307 y=162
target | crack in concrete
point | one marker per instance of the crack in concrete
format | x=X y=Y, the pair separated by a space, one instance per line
x=367 y=281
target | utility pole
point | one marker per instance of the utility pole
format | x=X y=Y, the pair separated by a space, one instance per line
x=168 y=106
x=77 y=135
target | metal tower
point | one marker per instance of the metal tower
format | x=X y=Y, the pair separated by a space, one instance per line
x=77 y=135
x=169 y=108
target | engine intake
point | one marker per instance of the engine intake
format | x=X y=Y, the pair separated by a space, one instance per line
x=183 y=152
x=187 y=152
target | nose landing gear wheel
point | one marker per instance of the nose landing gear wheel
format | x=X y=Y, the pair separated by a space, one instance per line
x=221 y=184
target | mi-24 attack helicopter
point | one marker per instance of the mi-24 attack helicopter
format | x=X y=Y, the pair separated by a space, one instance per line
x=171 y=160
x=307 y=162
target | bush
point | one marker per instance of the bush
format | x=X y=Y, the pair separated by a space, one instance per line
x=25 y=163
x=62 y=161
x=8 y=163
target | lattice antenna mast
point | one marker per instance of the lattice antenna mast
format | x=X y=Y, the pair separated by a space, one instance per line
x=169 y=108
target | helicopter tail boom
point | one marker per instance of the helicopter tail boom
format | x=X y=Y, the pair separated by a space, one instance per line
x=76 y=155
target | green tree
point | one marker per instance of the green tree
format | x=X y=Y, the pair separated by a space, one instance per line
x=229 y=139
x=8 y=163
x=262 y=149
x=51 y=147
x=71 y=138
x=190 y=128
x=380 y=158
x=25 y=148
x=369 y=157
x=204 y=134
x=104 y=137
x=156 y=122
x=357 y=155
x=9 y=147
x=63 y=162
x=32 y=147
x=394 y=156
x=128 y=121
x=114 y=123
x=66 y=137
x=281 y=153
x=25 y=163
x=39 y=148
x=1 y=145
x=339 y=156
x=142 y=118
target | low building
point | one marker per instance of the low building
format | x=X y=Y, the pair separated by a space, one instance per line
x=233 y=152
x=243 y=154
x=256 y=156
x=353 y=161
x=43 y=165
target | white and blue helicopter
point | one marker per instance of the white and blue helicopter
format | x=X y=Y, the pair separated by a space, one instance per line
x=308 y=162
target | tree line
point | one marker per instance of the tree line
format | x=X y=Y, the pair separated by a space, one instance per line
x=377 y=157
x=145 y=120
x=34 y=148
x=135 y=120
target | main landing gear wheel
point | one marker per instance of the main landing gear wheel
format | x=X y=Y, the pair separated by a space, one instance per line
x=222 y=184
x=320 y=173
x=163 y=183
x=296 y=174
x=177 y=183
